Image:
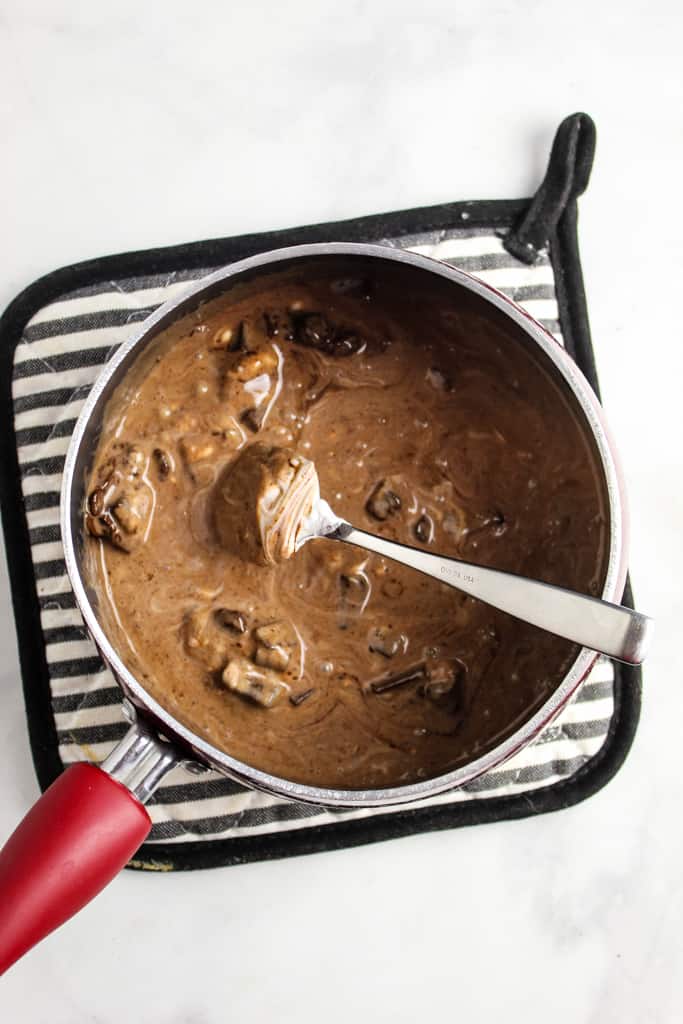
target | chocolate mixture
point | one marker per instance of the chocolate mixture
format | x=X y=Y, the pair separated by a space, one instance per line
x=428 y=422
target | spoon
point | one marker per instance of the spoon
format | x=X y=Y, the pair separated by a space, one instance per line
x=610 y=629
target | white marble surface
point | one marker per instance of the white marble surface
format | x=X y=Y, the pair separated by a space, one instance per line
x=131 y=125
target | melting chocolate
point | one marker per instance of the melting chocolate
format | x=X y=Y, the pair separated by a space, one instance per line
x=428 y=422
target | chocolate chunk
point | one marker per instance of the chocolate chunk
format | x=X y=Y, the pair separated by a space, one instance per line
x=383 y=502
x=250 y=384
x=443 y=684
x=411 y=675
x=230 y=619
x=106 y=472
x=254 y=417
x=94 y=525
x=256 y=362
x=230 y=339
x=276 y=634
x=315 y=331
x=131 y=511
x=355 y=590
x=260 y=685
x=105 y=527
x=271 y=323
x=163 y=462
x=96 y=500
x=275 y=643
x=311 y=329
x=387 y=642
x=276 y=658
x=424 y=529
x=111 y=529
x=299 y=698
x=346 y=343
x=204 y=640
x=121 y=504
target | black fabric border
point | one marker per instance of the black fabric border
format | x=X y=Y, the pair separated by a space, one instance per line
x=500 y=214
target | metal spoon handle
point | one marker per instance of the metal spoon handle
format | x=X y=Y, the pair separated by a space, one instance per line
x=608 y=628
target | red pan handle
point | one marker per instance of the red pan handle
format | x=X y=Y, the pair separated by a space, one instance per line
x=80 y=834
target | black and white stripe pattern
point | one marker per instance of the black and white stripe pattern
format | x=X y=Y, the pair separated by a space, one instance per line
x=61 y=352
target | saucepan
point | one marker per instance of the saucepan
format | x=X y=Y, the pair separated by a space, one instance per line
x=89 y=823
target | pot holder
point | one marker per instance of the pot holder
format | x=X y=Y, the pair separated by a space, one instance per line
x=54 y=338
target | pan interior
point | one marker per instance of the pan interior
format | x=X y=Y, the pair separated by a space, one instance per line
x=505 y=470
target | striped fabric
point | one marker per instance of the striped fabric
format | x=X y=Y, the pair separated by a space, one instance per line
x=56 y=362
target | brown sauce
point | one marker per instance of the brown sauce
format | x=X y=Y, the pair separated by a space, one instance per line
x=428 y=423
